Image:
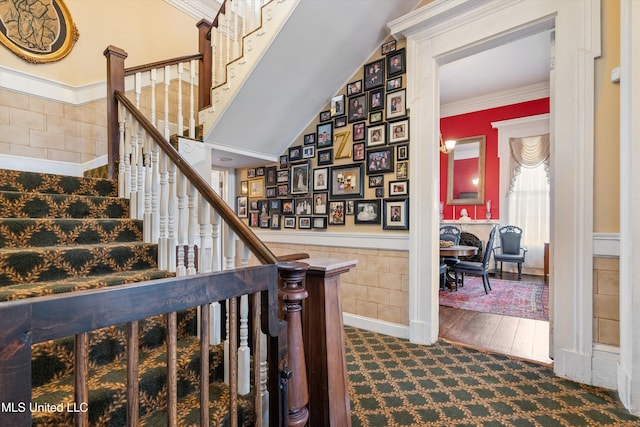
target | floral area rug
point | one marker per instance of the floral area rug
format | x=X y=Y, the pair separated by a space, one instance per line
x=509 y=297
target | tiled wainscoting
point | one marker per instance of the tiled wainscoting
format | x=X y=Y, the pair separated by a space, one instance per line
x=606 y=301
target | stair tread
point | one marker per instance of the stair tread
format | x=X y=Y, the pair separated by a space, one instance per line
x=64 y=248
x=55 y=183
x=42 y=205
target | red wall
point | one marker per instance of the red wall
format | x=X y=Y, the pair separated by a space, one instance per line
x=476 y=124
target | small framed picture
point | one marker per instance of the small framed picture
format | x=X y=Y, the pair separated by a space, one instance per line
x=336 y=213
x=367 y=211
x=320 y=179
x=380 y=192
x=287 y=207
x=398 y=188
x=325 y=157
x=358 y=131
x=396 y=63
x=260 y=171
x=376 y=181
x=264 y=221
x=354 y=88
x=388 y=47
x=399 y=131
x=295 y=153
x=251 y=173
x=395 y=214
x=376 y=99
x=380 y=160
x=275 y=206
x=242 y=206
x=340 y=122
x=289 y=222
x=337 y=106
x=284 y=161
x=282 y=176
x=357 y=108
x=304 y=206
x=253 y=205
x=274 y=221
x=358 y=151
x=304 y=222
x=402 y=170
x=347 y=181
x=254 y=219
x=308 y=151
x=309 y=139
x=299 y=178
x=244 y=188
x=376 y=135
x=374 y=74
x=402 y=152
x=283 y=189
x=270 y=175
x=375 y=117
x=325 y=135
x=320 y=222
x=320 y=203
x=349 y=207
x=394 y=83
x=325 y=116
x=271 y=192
x=396 y=104
x=256 y=187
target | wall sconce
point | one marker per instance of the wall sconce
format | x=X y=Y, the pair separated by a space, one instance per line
x=446 y=146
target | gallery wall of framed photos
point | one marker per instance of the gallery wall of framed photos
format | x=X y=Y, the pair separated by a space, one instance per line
x=349 y=170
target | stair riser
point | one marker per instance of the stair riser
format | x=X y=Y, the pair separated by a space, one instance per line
x=34 y=205
x=33 y=182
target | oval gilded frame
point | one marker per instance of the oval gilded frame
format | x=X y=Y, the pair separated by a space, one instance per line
x=50 y=36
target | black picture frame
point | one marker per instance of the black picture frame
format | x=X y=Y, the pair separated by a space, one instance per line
x=396 y=104
x=340 y=122
x=374 y=74
x=308 y=151
x=303 y=206
x=367 y=211
x=396 y=63
x=337 y=105
x=242 y=206
x=251 y=173
x=284 y=161
x=325 y=116
x=354 y=88
x=402 y=170
x=299 y=178
x=309 y=139
x=289 y=222
x=275 y=206
x=337 y=212
x=295 y=153
x=270 y=175
x=320 y=203
x=394 y=83
x=271 y=192
x=320 y=179
x=376 y=99
x=260 y=171
x=347 y=182
x=359 y=131
x=324 y=133
x=357 y=110
x=358 y=152
x=375 y=117
x=398 y=131
x=244 y=188
x=304 y=222
x=399 y=188
x=395 y=214
x=376 y=181
x=325 y=157
x=380 y=160
x=274 y=221
x=287 y=207
x=254 y=219
x=388 y=47
x=282 y=176
x=376 y=135
x=319 y=222
x=380 y=192
x=402 y=152
x=283 y=189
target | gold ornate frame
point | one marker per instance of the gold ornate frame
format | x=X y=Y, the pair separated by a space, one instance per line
x=63 y=38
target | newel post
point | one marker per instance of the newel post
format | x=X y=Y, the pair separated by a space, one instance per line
x=115 y=82
x=205 y=64
x=292 y=294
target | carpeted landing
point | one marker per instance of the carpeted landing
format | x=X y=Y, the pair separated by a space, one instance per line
x=396 y=383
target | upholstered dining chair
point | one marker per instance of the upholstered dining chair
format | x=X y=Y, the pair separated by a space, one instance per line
x=509 y=249
x=478 y=268
x=450 y=233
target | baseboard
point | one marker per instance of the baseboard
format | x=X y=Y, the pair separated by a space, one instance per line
x=374 y=325
x=604 y=366
x=31 y=164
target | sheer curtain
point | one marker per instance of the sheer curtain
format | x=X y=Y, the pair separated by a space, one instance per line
x=528 y=197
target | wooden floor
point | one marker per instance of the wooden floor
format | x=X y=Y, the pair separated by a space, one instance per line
x=523 y=338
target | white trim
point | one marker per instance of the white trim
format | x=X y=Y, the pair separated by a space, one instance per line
x=31 y=164
x=606 y=245
x=605 y=365
x=375 y=325
x=392 y=242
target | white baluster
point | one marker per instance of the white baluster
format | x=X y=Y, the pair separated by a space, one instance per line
x=192 y=98
x=245 y=255
x=183 y=221
x=227 y=367
x=193 y=229
x=216 y=255
x=229 y=242
x=122 y=179
x=264 y=392
x=163 y=249
x=227 y=21
x=206 y=241
x=133 y=150
x=127 y=155
x=244 y=371
x=147 y=218
x=221 y=64
x=172 y=238
x=153 y=97
x=180 y=116
x=234 y=32
x=141 y=174
x=155 y=189
x=167 y=82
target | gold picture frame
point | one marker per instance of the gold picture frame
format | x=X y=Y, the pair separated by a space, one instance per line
x=60 y=33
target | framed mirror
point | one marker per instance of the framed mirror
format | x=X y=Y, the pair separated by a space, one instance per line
x=465 y=181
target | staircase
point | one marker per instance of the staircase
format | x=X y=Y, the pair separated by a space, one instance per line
x=60 y=234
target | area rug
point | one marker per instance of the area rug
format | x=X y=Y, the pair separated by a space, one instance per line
x=509 y=297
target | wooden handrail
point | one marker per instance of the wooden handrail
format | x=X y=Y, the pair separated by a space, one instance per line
x=159 y=64
x=257 y=247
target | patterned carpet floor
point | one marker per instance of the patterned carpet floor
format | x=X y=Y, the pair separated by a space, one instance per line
x=396 y=383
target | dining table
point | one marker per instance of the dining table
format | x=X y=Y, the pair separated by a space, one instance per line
x=455 y=251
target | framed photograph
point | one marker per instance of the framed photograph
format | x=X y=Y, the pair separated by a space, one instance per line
x=242 y=206
x=309 y=139
x=376 y=181
x=271 y=192
x=264 y=221
x=303 y=206
x=358 y=151
x=270 y=175
x=287 y=207
x=376 y=99
x=398 y=188
x=367 y=211
x=402 y=170
x=387 y=47
x=289 y=222
x=395 y=214
x=256 y=187
x=284 y=161
x=251 y=173
x=299 y=178
x=357 y=108
x=325 y=135
x=320 y=222
x=325 y=157
x=304 y=222
x=354 y=88
x=376 y=135
x=337 y=106
x=274 y=221
x=380 y=160
x=396 y=63
x=396 y=104
x=295 y=153
x=340 y=122
x=320 y=179
x=253 y=205
x=320 y=203
x=402 y=152
x=375 y=117
x=347 y=181
x=275 y=206
x=263 y=207
x=336 y=212
x=399 y=131
x=282 y=176
x=254 y=219
x=394 y=83
x=374 y=74
x=349 y=207
x=283 y=189
x=380 y=192
x=358 y=131
x=260 y=171
x=308 y=152
x=244 y=188
x=325 y=116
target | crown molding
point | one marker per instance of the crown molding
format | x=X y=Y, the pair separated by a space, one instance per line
x=197 y=9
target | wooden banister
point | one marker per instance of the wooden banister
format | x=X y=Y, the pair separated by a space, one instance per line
x=160 y=64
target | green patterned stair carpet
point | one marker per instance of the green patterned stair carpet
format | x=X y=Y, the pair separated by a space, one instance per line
x=62 y=234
